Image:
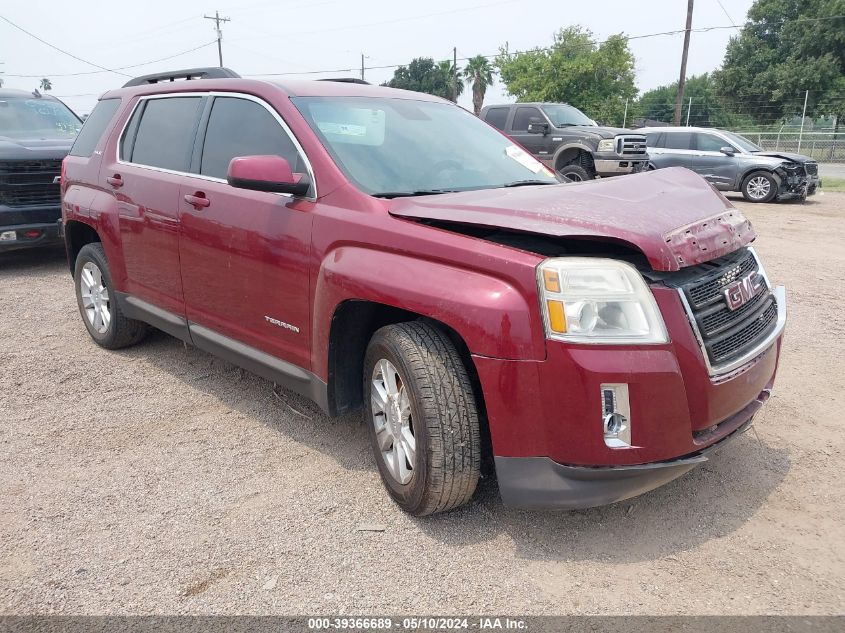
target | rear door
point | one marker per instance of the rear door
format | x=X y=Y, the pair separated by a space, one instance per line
x=245 y=255
x=710 y=162
x=154 y=154
x=670 y=149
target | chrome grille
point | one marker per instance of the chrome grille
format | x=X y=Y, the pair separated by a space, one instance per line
x=728 y=334
x=29 y=182
x=631 y=145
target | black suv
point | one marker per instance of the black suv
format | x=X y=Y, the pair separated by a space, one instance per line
x=36 y=132
x=568 y=141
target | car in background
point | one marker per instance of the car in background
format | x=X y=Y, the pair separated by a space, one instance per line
x=36 y=132
x=568 y=141
x=731 y=162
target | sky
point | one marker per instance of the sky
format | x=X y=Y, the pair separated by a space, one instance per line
x=301 y=37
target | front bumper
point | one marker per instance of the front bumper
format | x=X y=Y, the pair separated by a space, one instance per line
x=48 y=234
x=533 y=483
x=619 y=165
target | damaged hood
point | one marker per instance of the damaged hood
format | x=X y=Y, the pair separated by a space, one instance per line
x=673 y=216
x=795 y=158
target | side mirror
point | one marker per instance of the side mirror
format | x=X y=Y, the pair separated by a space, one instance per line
x=536 y=125
x=266 y=173
x=727 y=150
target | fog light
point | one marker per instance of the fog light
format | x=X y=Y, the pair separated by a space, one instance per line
x=616 y=415
x=8 y=236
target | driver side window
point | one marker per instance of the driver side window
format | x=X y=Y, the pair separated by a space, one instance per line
x=710 y=142
x=523 y=116
x=241 y=127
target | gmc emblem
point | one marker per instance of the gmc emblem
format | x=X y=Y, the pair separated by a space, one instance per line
x=743 y=290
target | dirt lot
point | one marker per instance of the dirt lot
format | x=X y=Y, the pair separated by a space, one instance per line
x=161 y=480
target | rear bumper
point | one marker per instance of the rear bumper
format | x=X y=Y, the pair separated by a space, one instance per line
x=534 y=483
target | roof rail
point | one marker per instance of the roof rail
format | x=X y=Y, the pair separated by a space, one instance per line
x=347 y=80
x=212 y=72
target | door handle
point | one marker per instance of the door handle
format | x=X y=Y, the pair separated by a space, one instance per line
x=197 y=200
x=115 y=181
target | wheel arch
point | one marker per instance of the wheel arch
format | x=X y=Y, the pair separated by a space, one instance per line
x=77 y=235
x=566 y=154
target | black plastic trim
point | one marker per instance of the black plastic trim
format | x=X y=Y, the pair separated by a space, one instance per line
x=534 y=483
x=166 y=321
x=262 y=364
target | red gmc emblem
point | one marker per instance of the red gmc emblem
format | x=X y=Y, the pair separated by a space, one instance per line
x=743 y=290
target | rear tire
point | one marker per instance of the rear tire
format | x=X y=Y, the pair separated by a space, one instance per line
x=575 y=173
x=759 y=186
x=98 y=304
x=420 y=408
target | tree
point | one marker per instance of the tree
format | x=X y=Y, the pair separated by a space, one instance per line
x=46 y=84
x=787 y=47
x=708 y=108
x=478 y=73
x=423 y=75
x=595 y=77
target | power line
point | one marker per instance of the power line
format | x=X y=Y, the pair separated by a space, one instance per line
x=97 y=72
x=64 y=52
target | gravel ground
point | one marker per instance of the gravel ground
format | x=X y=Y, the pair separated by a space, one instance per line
x=161 y=480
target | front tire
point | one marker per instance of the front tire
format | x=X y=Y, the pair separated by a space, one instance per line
x=759 y=186
x=575 y=173
x=98 y=304
x=423 y=420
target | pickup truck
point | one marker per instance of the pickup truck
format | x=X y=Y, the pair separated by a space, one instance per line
x=388 y=252
x=36 y=132
x=567 y=141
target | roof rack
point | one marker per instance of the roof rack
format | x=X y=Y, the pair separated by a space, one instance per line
x=212 y=72
x=347 y=80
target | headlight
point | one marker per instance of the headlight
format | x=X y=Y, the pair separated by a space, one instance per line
x=587 y=300
x=607 y=145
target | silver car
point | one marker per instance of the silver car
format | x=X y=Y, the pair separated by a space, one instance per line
x=733 y=163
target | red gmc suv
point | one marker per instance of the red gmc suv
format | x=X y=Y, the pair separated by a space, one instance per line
x=385 y=250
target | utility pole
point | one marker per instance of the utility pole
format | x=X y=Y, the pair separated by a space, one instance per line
x=455 y=74
x=689 y=107
x=217 y=20
x=362 y=66
x=679 y=99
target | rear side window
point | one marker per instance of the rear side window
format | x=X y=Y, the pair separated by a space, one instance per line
x=497 y=117
x=165 y=136
x=523 y=117
x=95 y=125
x=240 y=127
x=677 y=140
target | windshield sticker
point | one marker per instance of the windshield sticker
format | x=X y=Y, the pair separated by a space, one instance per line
x=524 y=159
x=346 y=129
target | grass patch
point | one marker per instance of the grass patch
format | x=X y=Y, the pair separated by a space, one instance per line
x=833 y=184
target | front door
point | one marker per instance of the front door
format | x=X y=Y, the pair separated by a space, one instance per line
x=245 y=254
x=537 y=144
x=709 y=161
x=154 y=151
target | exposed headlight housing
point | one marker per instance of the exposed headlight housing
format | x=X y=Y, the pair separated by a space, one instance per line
x=607 y=145
x=592 y=300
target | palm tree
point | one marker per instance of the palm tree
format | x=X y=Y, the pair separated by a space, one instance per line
x=46 y=85
x=479 y=74
x=451 y=76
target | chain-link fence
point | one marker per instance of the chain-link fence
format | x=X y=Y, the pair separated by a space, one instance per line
x=825 y=147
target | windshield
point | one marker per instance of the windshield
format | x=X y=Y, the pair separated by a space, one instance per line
x=743 y=143
x=25 y=118
x=564 y=115
x=393 y=147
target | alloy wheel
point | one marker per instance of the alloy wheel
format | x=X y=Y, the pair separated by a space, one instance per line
x=95 y=297
x=393 y=421
x=759 y=187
